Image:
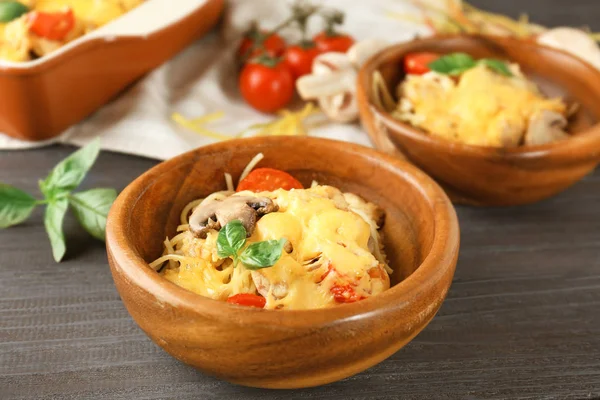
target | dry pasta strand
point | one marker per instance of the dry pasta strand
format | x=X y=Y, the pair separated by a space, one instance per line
x=257 y=158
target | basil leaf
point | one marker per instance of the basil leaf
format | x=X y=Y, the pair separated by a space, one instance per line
x=497 y=66
x=53 y=220
x=10 y=10
x=231 y=239
x=452 y=64
x=262 y=254
x=15 y=205
x=91 y=209
x=69 y=173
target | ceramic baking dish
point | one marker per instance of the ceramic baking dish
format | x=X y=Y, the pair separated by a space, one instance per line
x=41 y=98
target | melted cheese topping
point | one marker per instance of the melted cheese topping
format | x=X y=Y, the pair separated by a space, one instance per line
x=329 y=263
x=484 y=108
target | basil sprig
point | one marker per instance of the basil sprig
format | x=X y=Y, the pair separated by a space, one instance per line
x=457 y=63
x=10 y=10
x=90 y=207
x=231 y=240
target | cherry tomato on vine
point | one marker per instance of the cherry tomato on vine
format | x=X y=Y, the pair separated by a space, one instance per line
x=331 y=41
x=299 y=58
x=267 y=84
x=418 y=63
x=272 y=44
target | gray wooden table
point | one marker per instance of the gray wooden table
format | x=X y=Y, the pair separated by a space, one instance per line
x=522 y=319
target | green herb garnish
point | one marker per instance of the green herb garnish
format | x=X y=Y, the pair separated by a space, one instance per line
x=10 y=10
x=90 y=207
x=232 y=238
x=457 y=63
x=496 y=66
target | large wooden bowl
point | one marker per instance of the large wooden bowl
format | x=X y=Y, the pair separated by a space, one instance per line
x=484 y=175
x=285 y=349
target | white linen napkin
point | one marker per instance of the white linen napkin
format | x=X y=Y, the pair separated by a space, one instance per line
x=203 y=79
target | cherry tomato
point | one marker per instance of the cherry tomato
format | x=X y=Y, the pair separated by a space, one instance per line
x=267 y=180
x=299 y=59
x=53 y=26
x=247 y=299
x=273 y=44
x=418 y=63
x=333 y=42
x=345 y=293
x=267 y=86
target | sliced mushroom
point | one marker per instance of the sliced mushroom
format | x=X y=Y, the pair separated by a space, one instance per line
x=546 y=127
x=216 y=214
x=333 y=83
x=511 y=132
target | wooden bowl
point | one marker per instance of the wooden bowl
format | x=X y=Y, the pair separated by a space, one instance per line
x=485 y=175
x=285 y=349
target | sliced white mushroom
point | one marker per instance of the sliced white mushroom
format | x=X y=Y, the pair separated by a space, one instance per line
x=333 y=80
x=341 y=107
x=333 y=84
x=511 y=132
x=546 y=127
x=216 y=214
x=323 y=85
x=574 y=41
x=324 y=64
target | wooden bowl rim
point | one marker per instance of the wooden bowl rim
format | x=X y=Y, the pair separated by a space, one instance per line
x=435 y=265
x=568 y=150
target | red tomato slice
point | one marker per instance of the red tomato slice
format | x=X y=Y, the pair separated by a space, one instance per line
x=267 y=180
x=53 y=26
x=345 y=293
x=418 y=63
x=247 y=299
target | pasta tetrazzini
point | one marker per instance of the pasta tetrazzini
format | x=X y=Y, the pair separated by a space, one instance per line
x=273 y=244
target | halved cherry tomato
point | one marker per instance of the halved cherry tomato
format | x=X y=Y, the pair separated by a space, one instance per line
x=268 y=179
x=272 y=44
x=267 y=84
x=327 y=42
x=345 y=293
x=53 y=26
x=299 y=58
x=247 y=299
x=418 y=63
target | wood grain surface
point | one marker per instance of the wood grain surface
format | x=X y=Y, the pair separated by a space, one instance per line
x=521 y=319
